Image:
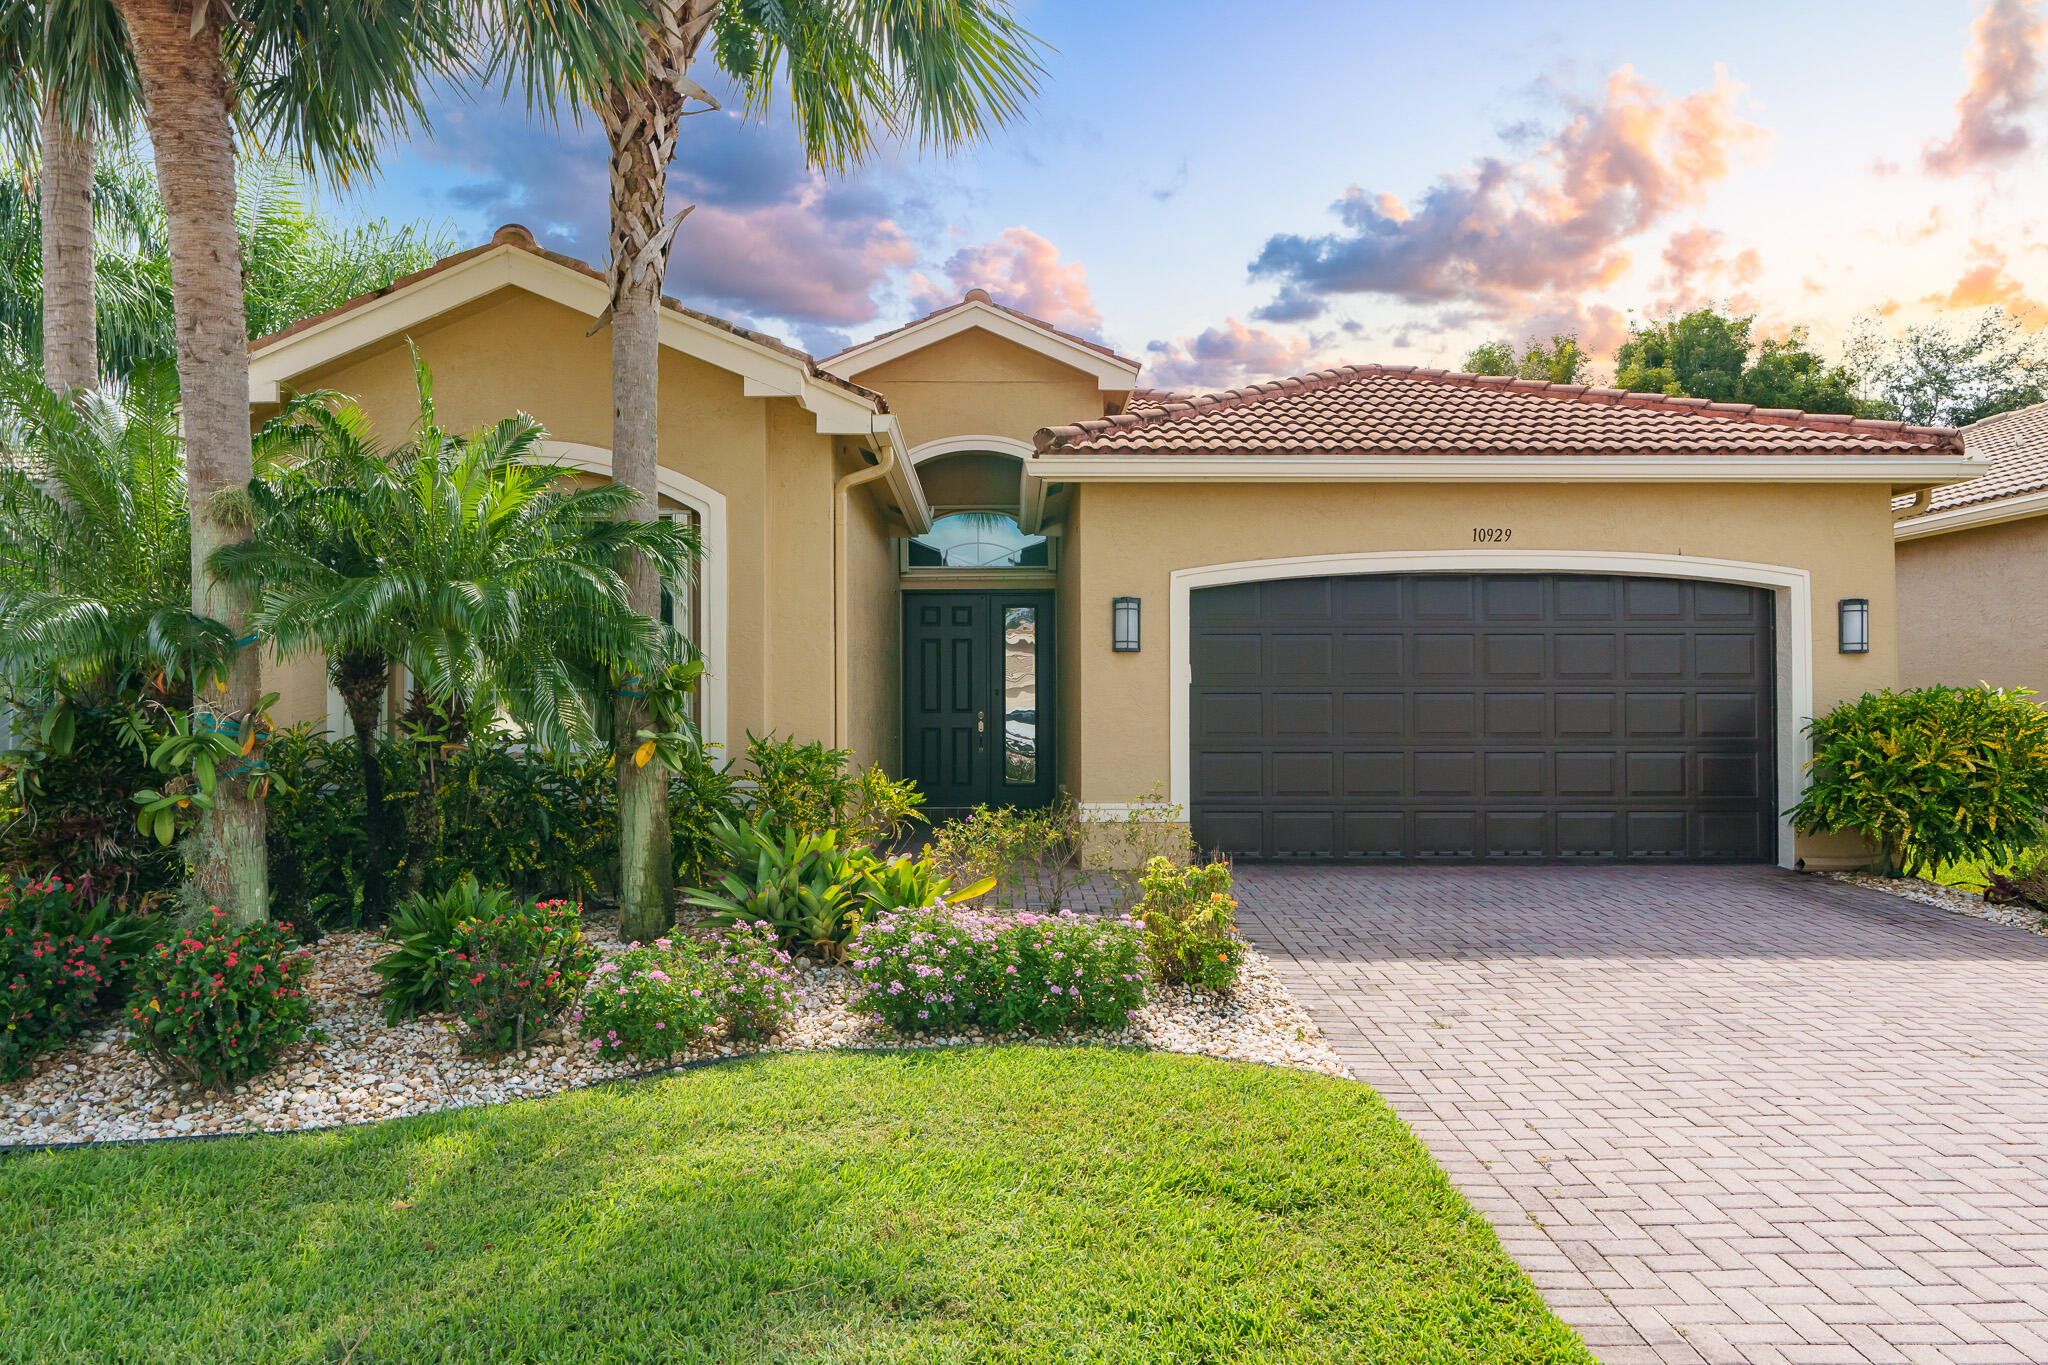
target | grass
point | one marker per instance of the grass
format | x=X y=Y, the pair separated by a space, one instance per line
x=1000 y=1204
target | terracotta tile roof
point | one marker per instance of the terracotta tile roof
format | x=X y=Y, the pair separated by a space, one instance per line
x=1152 y=398
x=1401 y=409
x=2016 y=443
x=982 y=296
x=516 y=236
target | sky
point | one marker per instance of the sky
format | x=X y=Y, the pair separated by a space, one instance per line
x=1232 y=193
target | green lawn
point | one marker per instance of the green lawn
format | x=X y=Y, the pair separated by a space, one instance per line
x=1014 y=1204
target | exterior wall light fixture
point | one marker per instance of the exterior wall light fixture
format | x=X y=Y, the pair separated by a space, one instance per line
x=1123 y=625
x=1855 y=613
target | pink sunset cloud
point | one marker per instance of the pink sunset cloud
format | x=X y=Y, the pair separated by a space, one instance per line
x=1225 y=356
x=2005 y=86
x=1021 y=270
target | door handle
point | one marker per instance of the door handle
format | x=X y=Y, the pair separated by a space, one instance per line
x=980 y=721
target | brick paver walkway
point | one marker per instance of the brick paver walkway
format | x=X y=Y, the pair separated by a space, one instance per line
x=1719 y=1114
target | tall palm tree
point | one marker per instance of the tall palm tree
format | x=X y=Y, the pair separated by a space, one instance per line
x=484 y=572
x=855 y=72
x=72 y=79
x=317 y=83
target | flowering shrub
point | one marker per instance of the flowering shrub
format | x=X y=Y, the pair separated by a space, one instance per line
x=1191 y=924
x=652 y=1002
x=61 y=908
x=517 y=972
x=48 y=983
x=220 y=1004
x=943 y=968
x=753 y=982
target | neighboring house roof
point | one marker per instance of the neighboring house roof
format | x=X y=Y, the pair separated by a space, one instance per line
x=1112 y=371
x=2013 y=486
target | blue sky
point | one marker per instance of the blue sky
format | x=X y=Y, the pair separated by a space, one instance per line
x=1232 y=196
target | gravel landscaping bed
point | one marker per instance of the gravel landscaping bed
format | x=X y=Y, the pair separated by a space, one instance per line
x=1949 y=898
x=99 y=1089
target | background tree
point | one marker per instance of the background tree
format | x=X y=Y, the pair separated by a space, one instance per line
x=487 y=574
x=319 y=84
x=855 y=72
x=1952 y=371
x=70 y=79
x=1559 y=360
x=1716 y=356
x=295 y=263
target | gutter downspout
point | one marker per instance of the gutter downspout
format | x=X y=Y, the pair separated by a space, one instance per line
x=1921 y=502
x=841 y=493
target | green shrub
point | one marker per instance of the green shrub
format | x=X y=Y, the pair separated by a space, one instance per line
x=72 y=910
x=514 y=974
x=220 y=1004
x=1191 y=924
x=1118 y=849
x=48 y=983
x=1025 y=856
x=754 y=983
x=941 y=969
x=421 y=932
x=651 y=1001
x=804 y=886
x=313 y=828
x=66 y=805
x=811 y=787
x=1936 y=775
x=702 y=796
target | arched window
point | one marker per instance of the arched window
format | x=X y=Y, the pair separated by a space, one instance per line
x=977 y=540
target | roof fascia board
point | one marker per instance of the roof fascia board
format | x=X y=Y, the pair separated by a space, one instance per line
x=1109 y=373
x=1914 y=471
x=2017 y=508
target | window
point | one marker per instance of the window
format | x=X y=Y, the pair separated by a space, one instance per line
x=681 y=609
x=977 y=540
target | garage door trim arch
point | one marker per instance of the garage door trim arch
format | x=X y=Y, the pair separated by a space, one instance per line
x=1792 y=591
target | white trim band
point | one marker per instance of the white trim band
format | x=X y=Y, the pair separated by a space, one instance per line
x=2017 y=508
x=1897 y=470
x=1794 y=629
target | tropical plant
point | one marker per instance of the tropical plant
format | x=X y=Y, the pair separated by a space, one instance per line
x=322 y=84
x=515 y=973
x=219 y=1003
x=127 y=928
x=480 y=569
x=48 y=982
x=805 y=886
x=65 y=808
x=1190 y=922
x=800 y=787
x=703 y=796
x=907 y=883
x=944 y=73
x=422 y=931
x=1026 y=856
x=1931 y=776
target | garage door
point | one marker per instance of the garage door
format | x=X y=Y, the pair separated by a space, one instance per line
x=1483 y=718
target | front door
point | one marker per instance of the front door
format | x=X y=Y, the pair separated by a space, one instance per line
x=977 y=697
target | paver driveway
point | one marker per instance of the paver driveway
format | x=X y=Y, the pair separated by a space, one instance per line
x=1719 y=1114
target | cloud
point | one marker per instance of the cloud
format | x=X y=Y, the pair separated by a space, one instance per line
x=1699 y=271
x=1986 y=284
x=1503 y=236
x=1022 y=270
x=770 y=239
x=2005 y=85
x=1225 y=356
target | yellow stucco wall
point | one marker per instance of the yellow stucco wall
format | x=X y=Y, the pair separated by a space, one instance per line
x=976 y=383
x=1840 y=534
x=1970 y=607
x=513 y=351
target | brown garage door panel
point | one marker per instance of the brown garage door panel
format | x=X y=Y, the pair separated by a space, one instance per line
x=1480 y=717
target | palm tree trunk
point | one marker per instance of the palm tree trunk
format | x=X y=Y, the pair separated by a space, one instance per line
x=71 y=358
x=362 y=679
x=641 y=122
x=186 y=97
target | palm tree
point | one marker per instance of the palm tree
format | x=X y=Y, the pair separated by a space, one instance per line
x=320 y=84
x=855 y=71
x=73 y=78
x=95 y=545
x=483 y=572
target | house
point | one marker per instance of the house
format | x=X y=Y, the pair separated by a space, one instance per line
x=1973 y=564
x=1378 y=612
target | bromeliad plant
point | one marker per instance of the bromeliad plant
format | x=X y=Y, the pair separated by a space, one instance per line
x=422 y=932
x=1931 y=776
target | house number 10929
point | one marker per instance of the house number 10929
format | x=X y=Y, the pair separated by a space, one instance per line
x=1491 y=535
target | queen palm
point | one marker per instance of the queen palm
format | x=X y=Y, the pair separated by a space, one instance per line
x=483 y=572
x=854 y=72
x=95 y=558
x=316 y=83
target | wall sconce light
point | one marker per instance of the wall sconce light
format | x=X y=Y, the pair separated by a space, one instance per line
x=1855 y=625
x=1123 y=625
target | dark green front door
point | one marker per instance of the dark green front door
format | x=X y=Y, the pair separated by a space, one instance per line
x=977 y=697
